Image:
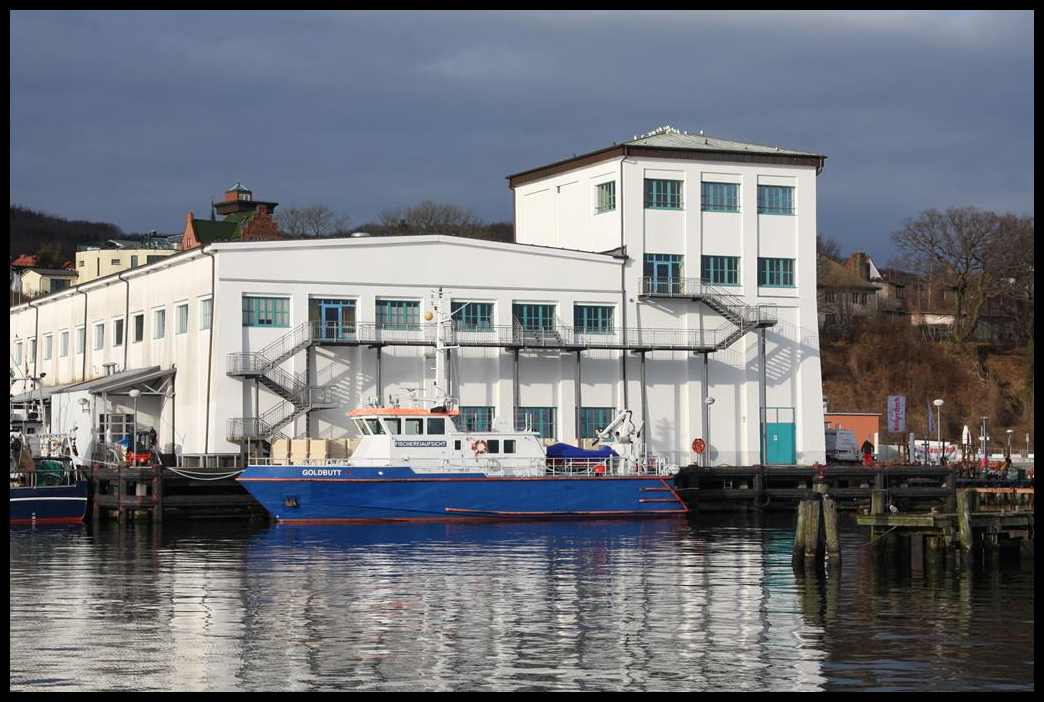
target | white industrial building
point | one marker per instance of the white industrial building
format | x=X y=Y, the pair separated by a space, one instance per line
x=673 y=275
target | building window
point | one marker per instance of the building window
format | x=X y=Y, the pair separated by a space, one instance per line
x=81 y=340
x=159 y=324
x=117 y=333
x=48 y=347
x=477 y=418
x=139 y=327
x=59 y=284
x=206 y=311
x=538 y=419
x=472 y=316
x=663 y=194
x=594 y=420
x=114 y=261
x=32 y=351
x=181 y=322
x=113 y=427
x=99 y=337
x=775 y=199
x=398 y=314
x=266 y=311
x=721 y=270
x=534 y=317
x=776 y=272
x=593 y=319
x=720 y=197
x=134 y=261
x=663 y=273
x=18 y=353
x=63 y=348
x=605 y=197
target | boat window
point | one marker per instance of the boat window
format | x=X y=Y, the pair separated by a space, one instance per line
x=437 y=425
x=394 y=425
x=456 y=445
x=361 y=426
x=493 y=446
x=414 y=427
x=375 y=426
x=509 y=445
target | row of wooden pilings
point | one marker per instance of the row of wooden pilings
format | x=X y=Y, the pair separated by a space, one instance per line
x=816 y=537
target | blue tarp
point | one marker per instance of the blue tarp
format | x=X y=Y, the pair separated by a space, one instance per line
x=568 y=451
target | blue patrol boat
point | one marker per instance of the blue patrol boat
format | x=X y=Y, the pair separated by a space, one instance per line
x=420 y=464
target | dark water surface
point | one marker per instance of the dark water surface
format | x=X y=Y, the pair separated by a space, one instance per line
x=712 y=604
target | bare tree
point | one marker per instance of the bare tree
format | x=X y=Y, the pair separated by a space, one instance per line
x=430 y=217
x=982 y=254
x=828 y=248
x=313 y=221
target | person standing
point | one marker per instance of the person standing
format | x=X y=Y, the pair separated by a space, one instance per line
x=868 y=452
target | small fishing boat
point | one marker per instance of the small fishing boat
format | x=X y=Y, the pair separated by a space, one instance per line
x=46 y=486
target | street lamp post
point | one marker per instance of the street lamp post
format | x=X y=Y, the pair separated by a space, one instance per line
x=1010 y=432
x=135 y=394
x=938 y=426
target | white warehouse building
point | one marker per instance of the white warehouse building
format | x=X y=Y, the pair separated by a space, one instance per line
x=672 y=275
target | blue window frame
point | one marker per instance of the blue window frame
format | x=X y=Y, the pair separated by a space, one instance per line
x=721 y=270
x=472 y=316
x=398 y=314
x=266 y=311
x=663 y=194
x=720 y=197
x=538 y=419
x=593 y=319
x=776 y=272
x=534 y=317
x=605 y=197
x=476 y=418
x=333 y=318
x=775 y=199
x=664 y=272
x=594 y=419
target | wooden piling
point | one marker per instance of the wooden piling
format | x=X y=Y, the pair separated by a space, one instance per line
x=800 y=530
x=833 y=541
x=964 y=510
x=813 y=534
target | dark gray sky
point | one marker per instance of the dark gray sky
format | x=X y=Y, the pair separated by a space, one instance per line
x=136 y=118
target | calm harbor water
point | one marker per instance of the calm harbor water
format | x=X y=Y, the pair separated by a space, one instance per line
x=711 y=604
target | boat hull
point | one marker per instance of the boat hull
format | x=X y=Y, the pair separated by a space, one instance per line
x=396 y=493
x=61 y=504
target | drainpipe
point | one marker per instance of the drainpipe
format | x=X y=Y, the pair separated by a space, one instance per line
x=623 y=287
x=36 y=340
x=83 y=364
x=126 y=318
x=210 y=349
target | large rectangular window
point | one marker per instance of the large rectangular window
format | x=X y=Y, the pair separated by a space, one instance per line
x=159 y=324
x=266 y=311
x=332 y=318
x=593 y=319
x=720 y=197
x=605 y=194
x=538 y=419
x=398 y=314
x=534 y=317
x=64 y=346
x=139 y=327
x=48 y=347
x=99 y=336
x=776 y=272
x=775 y=199
x=476 y=418
x=663 y=194
x=81 y=339
x=721 y=270
x=117 y=332
x=594 y=420
x=472 y=316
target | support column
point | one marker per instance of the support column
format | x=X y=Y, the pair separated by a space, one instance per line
x=577 y=399
x=705 y=408
x=516 y=399
x=762 y=397
x=645 y=402
x=380 y=384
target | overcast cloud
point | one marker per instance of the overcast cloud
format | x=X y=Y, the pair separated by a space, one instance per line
x=139 y=117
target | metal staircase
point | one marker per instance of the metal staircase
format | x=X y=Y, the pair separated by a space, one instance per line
x=298 y=396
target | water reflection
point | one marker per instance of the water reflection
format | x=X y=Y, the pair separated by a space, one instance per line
x=601 y=605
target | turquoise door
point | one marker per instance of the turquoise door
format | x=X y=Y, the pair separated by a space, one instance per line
x=780 y=443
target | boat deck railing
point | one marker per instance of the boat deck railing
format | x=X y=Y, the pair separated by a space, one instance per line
x=499 y=466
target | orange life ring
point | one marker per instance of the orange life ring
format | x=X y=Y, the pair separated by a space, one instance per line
x=599 y=469
x=698 y=445
x=479 y=447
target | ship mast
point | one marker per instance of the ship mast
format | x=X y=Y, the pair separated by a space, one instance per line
x=442 y=382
